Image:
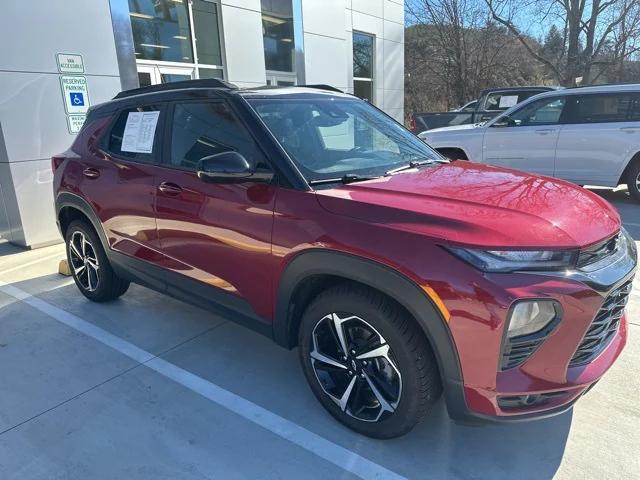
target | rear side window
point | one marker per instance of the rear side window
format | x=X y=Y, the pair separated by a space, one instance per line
x=602 y=108
x=117 y=133
x=202 y=129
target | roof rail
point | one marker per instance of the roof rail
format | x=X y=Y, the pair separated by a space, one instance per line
x=204 y=83
x=613 y=84
x=322 y=86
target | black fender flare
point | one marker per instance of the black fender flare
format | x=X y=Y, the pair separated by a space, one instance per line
x=388 y=281
x=68 y=199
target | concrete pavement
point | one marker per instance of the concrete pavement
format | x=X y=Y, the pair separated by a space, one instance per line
x=74 y=406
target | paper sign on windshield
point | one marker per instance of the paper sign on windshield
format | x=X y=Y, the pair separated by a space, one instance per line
x=139 y=132
x=507 y=101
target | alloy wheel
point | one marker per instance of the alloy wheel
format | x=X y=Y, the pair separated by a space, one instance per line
x=355 y=367
x=84 y=261
x=638 y=182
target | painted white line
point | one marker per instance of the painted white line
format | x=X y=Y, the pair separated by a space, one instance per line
x=320 y=446
x=33 y=262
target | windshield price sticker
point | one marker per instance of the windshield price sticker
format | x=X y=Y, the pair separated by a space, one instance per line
x=139 y=132
x=507 y=101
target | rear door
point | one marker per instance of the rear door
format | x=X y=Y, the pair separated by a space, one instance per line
x=602 y=133
x=119 y=181
x=526 y=139
x=217 y=234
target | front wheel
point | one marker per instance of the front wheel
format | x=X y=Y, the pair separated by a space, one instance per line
x=633 y=181
x=367 y=362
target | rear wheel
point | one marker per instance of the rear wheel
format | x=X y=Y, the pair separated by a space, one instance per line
x=367 y=362
x=89 y=265
x=633 y=180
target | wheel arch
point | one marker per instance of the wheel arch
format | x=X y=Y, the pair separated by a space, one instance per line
x=69 y=207
x=334 y=266
x=632 y=161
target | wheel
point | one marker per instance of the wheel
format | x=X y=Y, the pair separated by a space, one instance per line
x=89 y=265
x=367 y=362
x=633 y=180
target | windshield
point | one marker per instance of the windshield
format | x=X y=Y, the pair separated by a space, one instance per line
x=333 y=137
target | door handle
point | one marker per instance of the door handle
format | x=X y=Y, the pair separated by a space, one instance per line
x=169 y=188
x=629 y=129
x=545 y=131
x=91 y=172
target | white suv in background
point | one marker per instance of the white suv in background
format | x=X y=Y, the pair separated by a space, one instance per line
x=586 y=135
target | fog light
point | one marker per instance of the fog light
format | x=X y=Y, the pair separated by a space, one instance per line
x=531 y=316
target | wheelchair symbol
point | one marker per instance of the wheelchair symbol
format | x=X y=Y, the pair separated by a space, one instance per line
x=77 y=99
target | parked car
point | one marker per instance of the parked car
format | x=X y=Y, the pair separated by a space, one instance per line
x=491 y=103
x=318 y=221
x=586 y=135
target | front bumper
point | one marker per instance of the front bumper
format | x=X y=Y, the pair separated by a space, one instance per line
x=546 y=383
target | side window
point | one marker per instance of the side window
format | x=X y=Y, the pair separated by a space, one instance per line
x=546 y=111
x=201 y=129
x=142 y=151
x=602 y=108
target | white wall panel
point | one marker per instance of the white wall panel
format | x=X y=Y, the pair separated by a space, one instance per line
x=393 y=65
x=368 y=24
x=324 y=17
x=393 y=31
x=393 y=11
x=243 y=44
x=248 y=4
x=326 y=60
x=372 y=7
x=34 y=31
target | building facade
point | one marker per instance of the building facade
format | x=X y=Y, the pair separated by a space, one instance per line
x=59 y=58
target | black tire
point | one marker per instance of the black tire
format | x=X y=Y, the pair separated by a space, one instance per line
x=99 y=284
x=410 y=353
x=632 y=178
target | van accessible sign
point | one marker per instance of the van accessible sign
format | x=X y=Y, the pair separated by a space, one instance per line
x=70 y=63
x=75 y=94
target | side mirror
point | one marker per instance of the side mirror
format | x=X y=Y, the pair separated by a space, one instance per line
x=505 y=121
x=230 y=167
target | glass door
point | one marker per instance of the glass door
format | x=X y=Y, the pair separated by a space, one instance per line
x=155 y=74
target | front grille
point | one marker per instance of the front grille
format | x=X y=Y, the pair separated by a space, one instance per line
x=604 y=326
x=598 y=251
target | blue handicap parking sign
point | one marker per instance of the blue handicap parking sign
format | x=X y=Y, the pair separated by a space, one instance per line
x=77 y=99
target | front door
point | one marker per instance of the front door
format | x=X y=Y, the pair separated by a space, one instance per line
x=526 y=139
x=217 y=234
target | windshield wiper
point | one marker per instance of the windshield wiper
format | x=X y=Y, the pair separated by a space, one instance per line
x=414 y=164
x=348 y=178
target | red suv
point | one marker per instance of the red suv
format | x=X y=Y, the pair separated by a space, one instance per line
x=317 y=220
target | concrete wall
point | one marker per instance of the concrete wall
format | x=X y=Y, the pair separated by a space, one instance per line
x=33 y=124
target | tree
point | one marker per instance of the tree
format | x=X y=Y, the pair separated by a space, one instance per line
x=592 y=29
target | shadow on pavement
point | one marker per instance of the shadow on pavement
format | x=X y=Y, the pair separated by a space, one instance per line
x=252 y=366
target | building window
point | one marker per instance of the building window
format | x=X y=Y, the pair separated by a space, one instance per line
x=363 y=65
x=161 y=30
x=277 y=34
x=181 y=32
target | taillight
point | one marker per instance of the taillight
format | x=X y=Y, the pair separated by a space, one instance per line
x=412 y=123
x=56 y=161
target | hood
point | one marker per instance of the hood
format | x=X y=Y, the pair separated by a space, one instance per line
x=467 y=126
x=479 y=205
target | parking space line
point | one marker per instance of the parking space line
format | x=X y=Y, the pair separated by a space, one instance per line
x=320 y=446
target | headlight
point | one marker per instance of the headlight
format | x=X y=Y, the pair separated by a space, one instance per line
x=531 y=316
x=513 y=260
